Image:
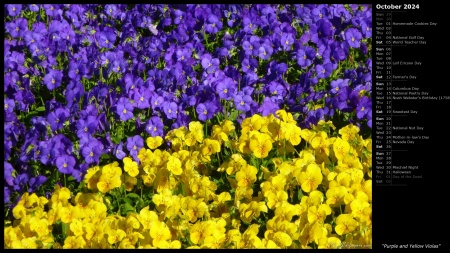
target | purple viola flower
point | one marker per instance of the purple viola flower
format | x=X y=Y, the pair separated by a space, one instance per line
x=363 y=107
x=77 y=69
x=118 y=151
x=276 y=90
x=213 y=24
x=206 y=111
x=17 y=28
x=155 y=126
x=265 y=51
x=36 y=182
x=268 y=107
x=183 y=55
x=209 y=63
x=6 y=195
x=65 y=164
x=92 y=152
x=125 y=109
x=134 y=144
x=243 y=102
x=226 y=88
x=171 y=110
x=157 y=101
x=305 y=55
x=9 y=105
x=106 y=38
x=20 y=181
x=287 y=40
x=324 y=71
x=33 y=7
x=57 y=118
x=53 y=79
x=338 y=84
x=249 y=65
x=14 y=9
x=86 y=126
x=8 y=170
x=353 y=37
x=142 y=98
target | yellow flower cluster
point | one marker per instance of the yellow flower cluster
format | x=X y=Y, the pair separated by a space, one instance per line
x=278 y=197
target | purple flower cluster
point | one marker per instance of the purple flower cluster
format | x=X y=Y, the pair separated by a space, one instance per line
x=82 y=81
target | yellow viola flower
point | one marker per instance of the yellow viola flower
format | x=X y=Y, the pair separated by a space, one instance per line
x=329 y=243
x=318 y=214
x=276 y=199
x=160 y=234
x=236 y=163
x=144 y=156
x=218 y=134
x=68 y=214
x=196 y=129
x=214 y=241
x=210 y=147
x=174 y=165
x=115 y=235
x=310 y=179
x=293 y=134
x=349 y=132
x=246 y=176
x=358 y=207
x=260 y=145
x=200 y=230
x=345 y=224
x=40 y=226
x=76 y=227
x=147 y=217
x=253 y=123
x=126 y=244
x=112 y=170
x=130 y=166
x=92 y=176
x=106 y=183
x=252 y=210
x=154 y=142
x=335 y=195
x=19 y=211
x=286 y=116
x=282 y=239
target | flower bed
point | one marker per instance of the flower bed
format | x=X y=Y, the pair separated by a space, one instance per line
x=211 y=126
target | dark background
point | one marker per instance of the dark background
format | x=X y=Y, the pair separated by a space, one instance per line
x=415 y=213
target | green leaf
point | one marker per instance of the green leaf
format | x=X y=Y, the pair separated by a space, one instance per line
x=128 y=208
x=300 y=194
x=40 y=109
x=133 y=196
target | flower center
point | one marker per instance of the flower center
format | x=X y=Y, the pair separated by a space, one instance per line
x=124 y=111
x=85 y=129
x=225 y=91
x=205 y=112
x=91 y=154
x=242 y=103
x=142 y=99
x=53 y=81
x=362 y=108
x=65 y=165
